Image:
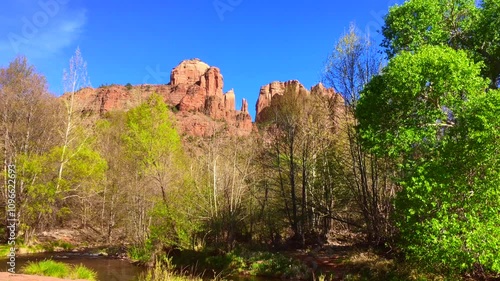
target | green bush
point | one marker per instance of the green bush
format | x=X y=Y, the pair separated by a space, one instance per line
x=140 y=253
x=258 y=264
x=276 y=265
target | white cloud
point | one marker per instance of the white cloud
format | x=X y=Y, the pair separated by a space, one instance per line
x=40 y=31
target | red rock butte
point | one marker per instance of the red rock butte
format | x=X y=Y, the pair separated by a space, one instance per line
x=196 y=92
x=276 y=89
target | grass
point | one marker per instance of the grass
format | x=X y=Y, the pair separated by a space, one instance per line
x=165 y=272
x=368 y=265
x=47 y=268
x=82 y=272
x=57 y=246
x=54 y=246
x=275 y=265
x=60 y=270
x=238 y=262
x=4 y=250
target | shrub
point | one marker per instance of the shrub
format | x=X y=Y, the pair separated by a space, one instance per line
x=165 y=272
x=60 y=270
x=258 y=264
x=276 y=265
x=141 y=253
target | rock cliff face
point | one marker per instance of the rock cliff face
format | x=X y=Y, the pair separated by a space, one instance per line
x=276 y=89
x=196 y=92
x=195 y=89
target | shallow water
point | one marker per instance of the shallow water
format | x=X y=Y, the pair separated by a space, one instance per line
x=108 y=269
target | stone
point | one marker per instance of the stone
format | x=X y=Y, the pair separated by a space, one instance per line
x=195 y=90
x=244 y=106
x=275 y=89
x=229 y=100
x=188 y=72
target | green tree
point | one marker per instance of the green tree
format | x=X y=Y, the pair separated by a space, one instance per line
x=438 y=122
x=486 y=35
x=428 y=22
x=460 y=24
x=153 y=141
x=28 y=125
x=46 y=205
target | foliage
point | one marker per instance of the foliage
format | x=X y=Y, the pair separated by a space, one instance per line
x=82 y=175
x=439 y=123
x=82 y=272
x=258 y=264
x=300 y=176
x=60 y=270
x=417 y=23
x=370 y=265
x=164 y=271
x=153 y=141
x=47 y=268
x=4 y=250
x=59 y=244
x=420 y=95
x=487 y=39
x=141 y=253
x=171 y=226
x=369 y=188
x=275 y=265
x=460 y=24
x=28 y=123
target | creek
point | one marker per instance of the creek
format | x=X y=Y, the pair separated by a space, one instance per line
x=107 y=269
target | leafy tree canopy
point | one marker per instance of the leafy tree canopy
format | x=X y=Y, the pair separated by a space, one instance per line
x=439 y=121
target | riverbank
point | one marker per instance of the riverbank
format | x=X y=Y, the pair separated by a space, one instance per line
x=6 y=276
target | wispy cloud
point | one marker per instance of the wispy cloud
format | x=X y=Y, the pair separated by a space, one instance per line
x=40 y=30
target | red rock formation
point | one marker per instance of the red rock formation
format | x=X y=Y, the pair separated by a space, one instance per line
x=194 y=100
x=188 y=72
x=212 y=81
x=244 y=106
x=195 y=89
x=322 y=90
x=229 y=100
x=270 y=91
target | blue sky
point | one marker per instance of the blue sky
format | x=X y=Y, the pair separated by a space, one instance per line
x=253 y=42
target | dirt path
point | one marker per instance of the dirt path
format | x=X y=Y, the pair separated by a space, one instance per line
x=5 y=276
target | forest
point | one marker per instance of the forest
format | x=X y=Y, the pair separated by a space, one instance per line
x=407 y=165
